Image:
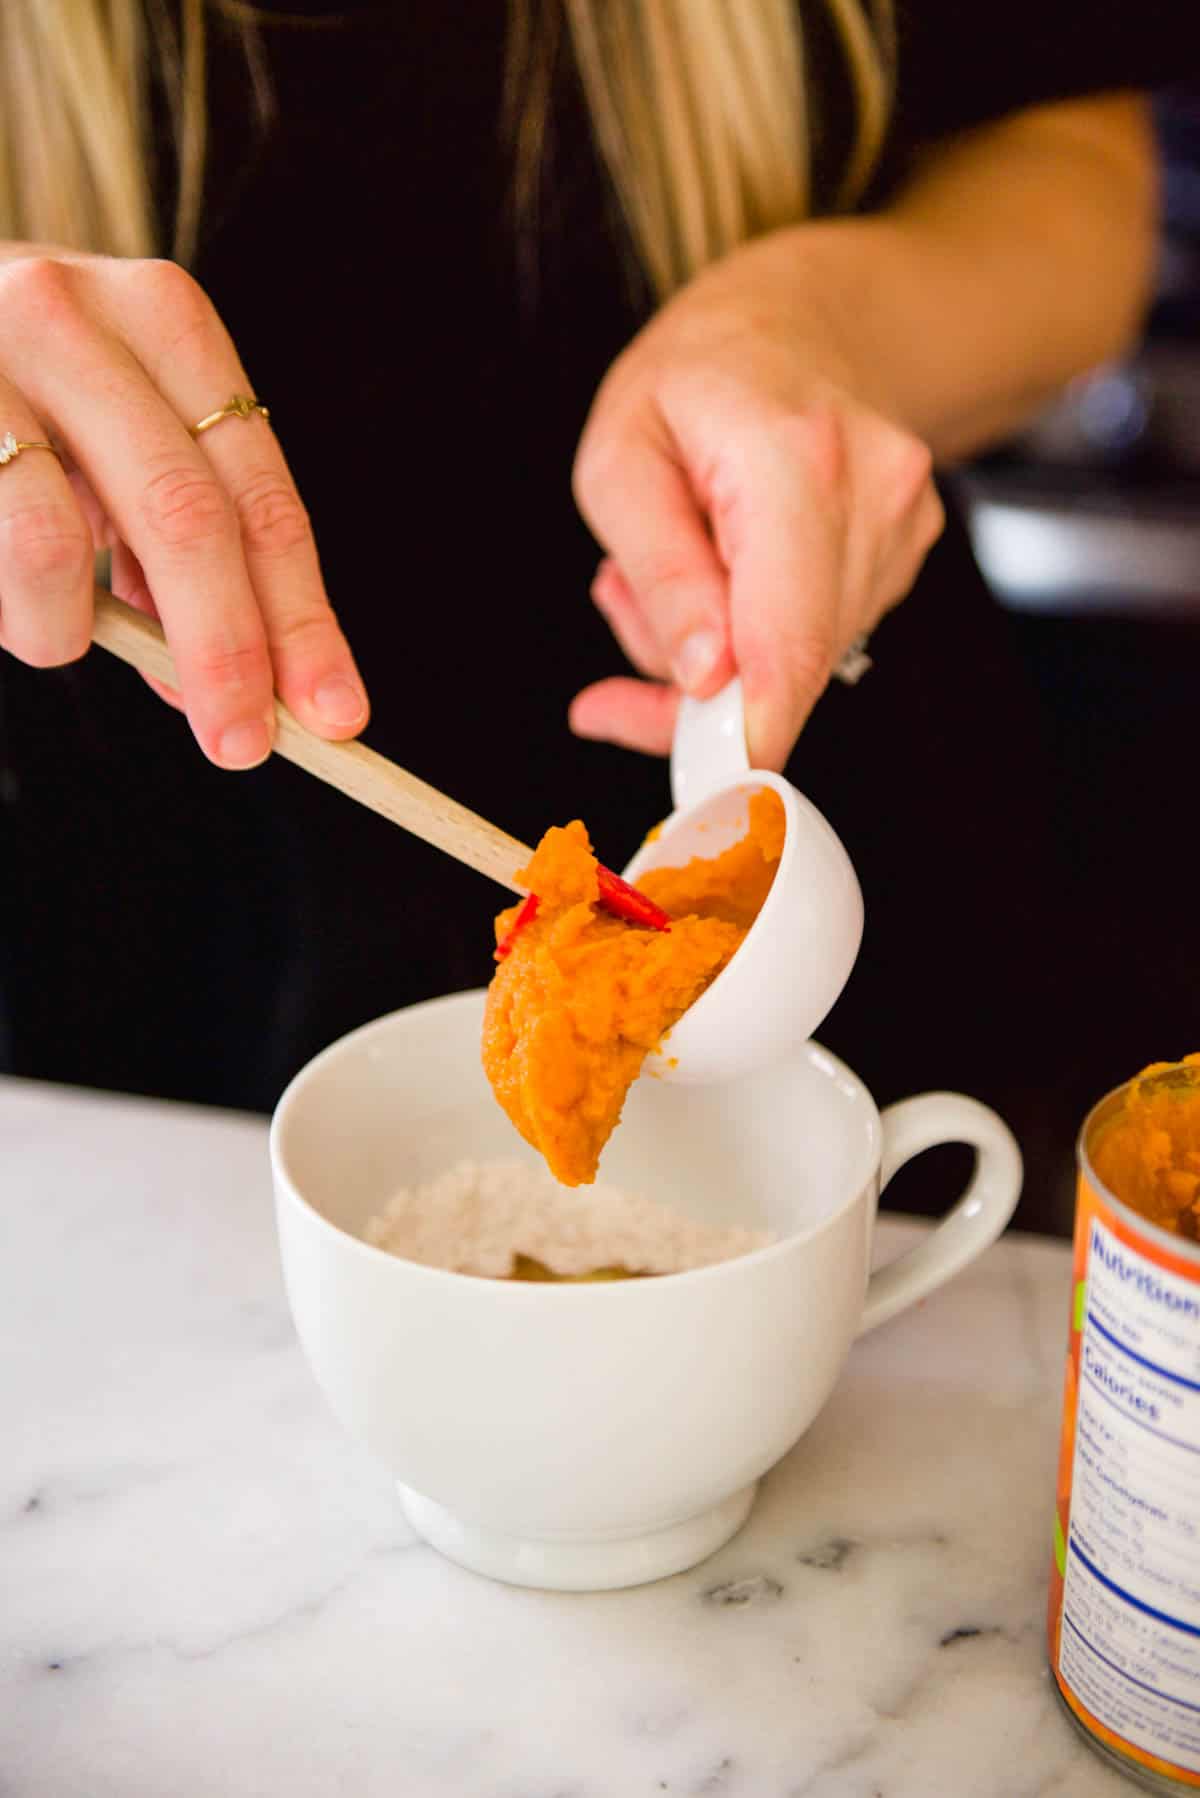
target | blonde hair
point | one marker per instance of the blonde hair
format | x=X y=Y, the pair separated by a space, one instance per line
x=701 y=112
x=74 y=125
x=699 y=109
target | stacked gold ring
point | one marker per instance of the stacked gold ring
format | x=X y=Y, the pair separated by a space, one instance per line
x=238 y=405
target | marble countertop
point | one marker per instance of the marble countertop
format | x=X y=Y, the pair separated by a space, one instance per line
x=206 y=1591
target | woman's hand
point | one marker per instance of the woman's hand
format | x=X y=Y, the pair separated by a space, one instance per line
x=757 y=463
x=112 y=361
x=759 y=512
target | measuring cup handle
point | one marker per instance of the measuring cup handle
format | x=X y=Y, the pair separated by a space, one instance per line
x=968 y=1227
x=709 y=745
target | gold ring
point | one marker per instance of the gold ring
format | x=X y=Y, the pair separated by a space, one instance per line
x=239 y=405
x=11 y=447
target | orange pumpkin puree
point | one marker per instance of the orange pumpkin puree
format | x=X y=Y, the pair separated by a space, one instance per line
x=1148 y=1152
x=582 y=997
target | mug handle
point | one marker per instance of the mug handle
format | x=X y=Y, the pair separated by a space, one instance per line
x=709 y=745
x=968 y=1227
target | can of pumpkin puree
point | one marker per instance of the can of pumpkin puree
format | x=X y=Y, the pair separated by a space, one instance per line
x=1124 y=1614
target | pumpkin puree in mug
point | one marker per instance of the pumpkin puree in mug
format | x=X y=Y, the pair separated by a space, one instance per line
x=582 y=997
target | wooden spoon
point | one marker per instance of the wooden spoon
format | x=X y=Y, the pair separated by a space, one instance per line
x=350 y=766
x=364 y=775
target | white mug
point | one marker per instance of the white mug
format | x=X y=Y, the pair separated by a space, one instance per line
x=589 y=1436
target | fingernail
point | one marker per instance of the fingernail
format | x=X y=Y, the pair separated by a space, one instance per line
x=695 y=659
x=244 y=745
x=340 y=701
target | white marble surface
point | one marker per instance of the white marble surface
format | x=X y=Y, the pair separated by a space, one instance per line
x=207 y=1592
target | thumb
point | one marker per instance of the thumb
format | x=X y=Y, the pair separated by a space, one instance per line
x=640 y=505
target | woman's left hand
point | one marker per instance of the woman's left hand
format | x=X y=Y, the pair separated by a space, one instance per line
x=758 y=511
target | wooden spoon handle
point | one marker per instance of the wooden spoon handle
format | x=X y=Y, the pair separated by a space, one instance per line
x=350 y=767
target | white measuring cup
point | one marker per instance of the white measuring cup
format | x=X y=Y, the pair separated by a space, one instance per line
x=800 y=949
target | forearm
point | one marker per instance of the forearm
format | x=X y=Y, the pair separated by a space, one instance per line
x=1019 y=257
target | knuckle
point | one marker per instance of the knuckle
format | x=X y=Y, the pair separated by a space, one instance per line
x=606 y=585
x=175 y=316
x=726 y=483
x=666 y=571
x=230 y=668
x=810 y=663
x=583 y=476
x=272 y=518
x=909 y=468
x=184 y=507
x=159 y=275
x=305 y=633
x=816 y=438
x=46 y=545
x=597 y=466
x=933 y=521
x=175 y=294
x=40 y=286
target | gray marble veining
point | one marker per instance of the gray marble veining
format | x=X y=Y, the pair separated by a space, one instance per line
x=207 y=1592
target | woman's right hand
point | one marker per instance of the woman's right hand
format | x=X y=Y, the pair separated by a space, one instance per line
x=112 y=361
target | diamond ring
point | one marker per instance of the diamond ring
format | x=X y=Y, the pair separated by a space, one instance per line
x=855 y=663
x=11 y=447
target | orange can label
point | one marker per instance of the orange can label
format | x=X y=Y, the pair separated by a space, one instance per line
x=1124 y=1620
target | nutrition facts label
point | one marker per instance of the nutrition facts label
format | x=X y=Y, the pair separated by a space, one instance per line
x=1130 y=1647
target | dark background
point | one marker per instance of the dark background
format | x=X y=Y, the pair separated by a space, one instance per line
x=1088 y=530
